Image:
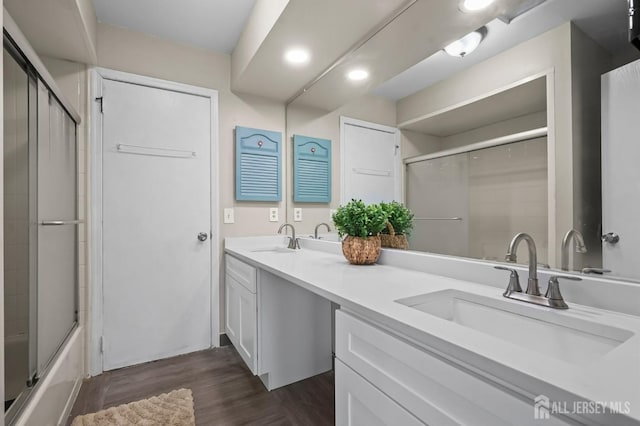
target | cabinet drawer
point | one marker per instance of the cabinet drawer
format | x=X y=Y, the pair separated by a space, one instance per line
x=243 y=273
x=433 y=389
x=359 y=403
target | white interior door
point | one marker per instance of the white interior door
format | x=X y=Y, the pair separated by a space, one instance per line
x=370 y=162
x=620 y=171
x=156 y=201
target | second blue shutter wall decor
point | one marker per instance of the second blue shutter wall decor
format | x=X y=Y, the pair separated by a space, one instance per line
x=311 y=170
x=258 y=165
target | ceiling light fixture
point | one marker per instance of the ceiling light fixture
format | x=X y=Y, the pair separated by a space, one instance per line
x=474 y=5
x=467 y=44
x=297 y=56
x=358 y=75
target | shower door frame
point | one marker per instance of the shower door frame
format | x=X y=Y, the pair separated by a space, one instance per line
x=37 y=73
x=97 y=74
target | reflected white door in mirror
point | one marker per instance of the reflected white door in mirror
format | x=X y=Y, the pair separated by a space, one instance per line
x=371 y=162
x=620 y=171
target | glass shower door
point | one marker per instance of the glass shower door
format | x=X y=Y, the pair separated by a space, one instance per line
x=472 y=203
x=40 y=224
x=57 y=219
x=20 y=240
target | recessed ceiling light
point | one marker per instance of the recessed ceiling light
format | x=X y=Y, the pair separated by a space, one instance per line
x=466 y=44
x=358 y=74
x=474 y=5
x=297 y=56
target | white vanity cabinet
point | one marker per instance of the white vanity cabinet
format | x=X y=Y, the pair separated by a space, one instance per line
x=359 y=403
x=240 y=322
x=281 y=331
x=376 y=368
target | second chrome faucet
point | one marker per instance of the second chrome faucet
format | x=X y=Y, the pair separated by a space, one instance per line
x=566 y=241
x=315 y=232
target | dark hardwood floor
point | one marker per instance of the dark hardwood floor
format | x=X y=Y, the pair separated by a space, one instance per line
x=224 y=391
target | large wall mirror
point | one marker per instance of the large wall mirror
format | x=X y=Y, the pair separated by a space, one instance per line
x=506 y=139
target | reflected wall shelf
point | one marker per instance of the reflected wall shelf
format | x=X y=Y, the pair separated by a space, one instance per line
x=521 y=100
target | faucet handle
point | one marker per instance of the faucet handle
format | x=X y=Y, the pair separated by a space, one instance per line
x=553 y=290
x=514 y=280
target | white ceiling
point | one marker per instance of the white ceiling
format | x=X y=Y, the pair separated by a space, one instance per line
x=209 y=24
x=217 y=25
x=604 y=20
x=307 y=23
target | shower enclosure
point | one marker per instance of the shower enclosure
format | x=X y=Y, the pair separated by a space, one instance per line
x=40 y=218
x=472 y=203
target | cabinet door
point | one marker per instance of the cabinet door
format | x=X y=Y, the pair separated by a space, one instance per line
x=434 y=389
x=359 y=403
x=240 y=320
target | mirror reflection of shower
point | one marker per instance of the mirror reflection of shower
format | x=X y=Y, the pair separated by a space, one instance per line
x=470 y=204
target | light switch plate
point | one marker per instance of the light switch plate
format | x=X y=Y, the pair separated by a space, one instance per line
x=297 y=214
x=229 y=216
x=273 y=214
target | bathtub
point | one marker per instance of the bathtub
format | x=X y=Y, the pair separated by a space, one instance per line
x=54 y=395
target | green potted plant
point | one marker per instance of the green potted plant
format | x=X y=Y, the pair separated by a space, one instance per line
x=398 y=227
x=361 y=224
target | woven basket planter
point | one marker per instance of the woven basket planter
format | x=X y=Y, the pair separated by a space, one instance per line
x=361 y=251
x=391 y=240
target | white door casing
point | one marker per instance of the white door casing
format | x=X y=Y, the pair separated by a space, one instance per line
x=371 y=162
x=620 y=171
x=154 y=284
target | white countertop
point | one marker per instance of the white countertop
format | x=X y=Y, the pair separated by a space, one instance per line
x=372 y=291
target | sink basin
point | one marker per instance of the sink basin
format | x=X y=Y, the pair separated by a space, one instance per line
x=282 y=250
x=563 y=337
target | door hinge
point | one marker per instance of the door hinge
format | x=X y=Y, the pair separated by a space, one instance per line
x=101 y=100
x=101 y=344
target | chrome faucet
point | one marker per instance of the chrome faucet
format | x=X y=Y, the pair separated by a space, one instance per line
x=532 y=284
x=315 y=233
x=552 y=298
x=294 y=243
x=579 y=244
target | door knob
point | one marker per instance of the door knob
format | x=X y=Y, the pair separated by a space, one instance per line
x=611 y=238
x=202 y=236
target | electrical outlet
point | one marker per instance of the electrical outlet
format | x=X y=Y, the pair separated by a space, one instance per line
x=297 y=214
x=273 y=214
x=229 y=216
x=331 y=213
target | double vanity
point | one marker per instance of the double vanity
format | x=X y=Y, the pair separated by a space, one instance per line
x=417 y=342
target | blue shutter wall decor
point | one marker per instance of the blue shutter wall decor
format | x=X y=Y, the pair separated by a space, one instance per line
x=311 y=170
x=258 y=165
